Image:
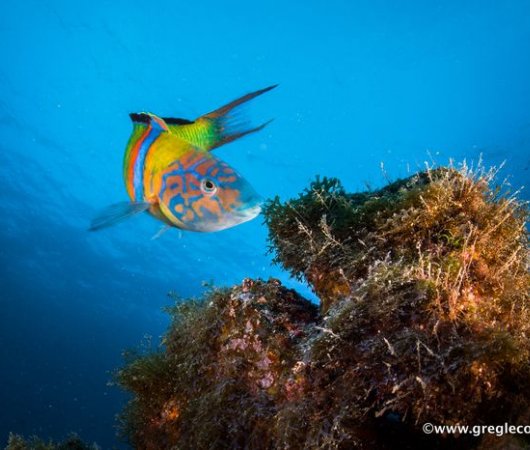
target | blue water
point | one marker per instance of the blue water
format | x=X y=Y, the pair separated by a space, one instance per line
x=361 y=82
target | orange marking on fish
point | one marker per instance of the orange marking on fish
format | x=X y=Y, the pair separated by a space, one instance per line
x=229 y=198
x=227 y=179
x=174 y=186
x=191 y=158
x=203 y=167
x=188 y=217
x=168 y=214
x=206 y=203
x=185 y=158
x=186 y=195
x=192 y=182
x=172 y=180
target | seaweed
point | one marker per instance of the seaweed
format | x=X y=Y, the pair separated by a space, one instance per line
x=224 y=371
x=424 y=317
x=424 y=287
x=73 y=442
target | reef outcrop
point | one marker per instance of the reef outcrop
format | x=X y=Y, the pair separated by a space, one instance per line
x=229 y=363
x=424 y=318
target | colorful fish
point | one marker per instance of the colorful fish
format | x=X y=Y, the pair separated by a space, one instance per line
x=170 y=172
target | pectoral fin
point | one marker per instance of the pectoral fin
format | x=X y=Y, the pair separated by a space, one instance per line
x=117 y=213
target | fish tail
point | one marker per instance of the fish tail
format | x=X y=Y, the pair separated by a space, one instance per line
x=226 y=123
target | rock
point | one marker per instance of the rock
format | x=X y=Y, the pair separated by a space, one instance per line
x=424 y=317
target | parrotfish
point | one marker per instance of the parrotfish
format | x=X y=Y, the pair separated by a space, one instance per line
x=170 y=172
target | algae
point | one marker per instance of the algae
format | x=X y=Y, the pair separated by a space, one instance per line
x=424 y=317
x=73 y=442
x=225 y=370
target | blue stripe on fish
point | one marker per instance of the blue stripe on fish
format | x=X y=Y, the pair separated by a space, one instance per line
x=138 y=181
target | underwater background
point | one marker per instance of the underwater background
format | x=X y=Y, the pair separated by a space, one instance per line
x=361 y=83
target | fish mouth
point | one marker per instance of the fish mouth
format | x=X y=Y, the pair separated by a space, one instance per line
x=244 y=213
x=249 y=212
x=239 y=216
x=250 y=201
x=249 y=208
x=232 y=219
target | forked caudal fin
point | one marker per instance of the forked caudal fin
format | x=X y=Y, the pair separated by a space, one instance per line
x=211 y=130
x=117 y=213
x=226 y=122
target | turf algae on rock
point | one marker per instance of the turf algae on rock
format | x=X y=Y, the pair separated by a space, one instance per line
x=227 y=368
x=424 y=317
x=73 y=442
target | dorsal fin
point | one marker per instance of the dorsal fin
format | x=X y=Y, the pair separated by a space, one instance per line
x=140 y=118
x=177 y=121
x=149 y=118
x=145 y=118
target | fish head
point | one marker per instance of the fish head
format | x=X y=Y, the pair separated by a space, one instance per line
x=206 y=194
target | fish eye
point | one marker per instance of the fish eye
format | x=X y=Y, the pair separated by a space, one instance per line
x=208 y=186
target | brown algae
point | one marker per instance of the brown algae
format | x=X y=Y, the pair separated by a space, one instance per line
x=424 y=317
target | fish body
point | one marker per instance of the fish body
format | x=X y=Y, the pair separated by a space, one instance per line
x=170 y=172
